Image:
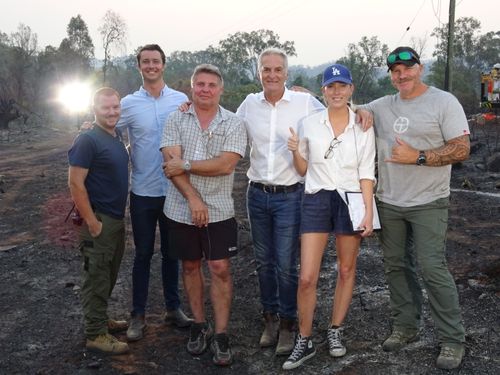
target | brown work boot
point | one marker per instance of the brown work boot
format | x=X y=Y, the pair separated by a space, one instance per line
x=115 y=326
x=270 y=334
x=107 y=344
x=286 y=341
x=398 y=339
x=450 y=356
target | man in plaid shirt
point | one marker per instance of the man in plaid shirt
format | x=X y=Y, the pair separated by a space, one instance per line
x=201 y=148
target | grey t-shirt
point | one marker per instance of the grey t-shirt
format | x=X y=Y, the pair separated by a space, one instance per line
x=424 y=122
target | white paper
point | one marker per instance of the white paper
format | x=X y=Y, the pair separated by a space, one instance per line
x=357 y=210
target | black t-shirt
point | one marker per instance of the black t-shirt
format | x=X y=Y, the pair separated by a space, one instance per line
x=106 y=158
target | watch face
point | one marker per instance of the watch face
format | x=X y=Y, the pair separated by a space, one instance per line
x=421 y=159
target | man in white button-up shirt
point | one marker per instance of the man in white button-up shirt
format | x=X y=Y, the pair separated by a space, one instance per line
x=274 y=195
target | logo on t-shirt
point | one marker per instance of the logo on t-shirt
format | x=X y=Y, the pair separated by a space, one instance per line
x=401 y=125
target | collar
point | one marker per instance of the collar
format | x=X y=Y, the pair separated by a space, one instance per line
x=99 y=128
x=220 y=116
x=323 y=119
x=144 y=92
x=287 y=96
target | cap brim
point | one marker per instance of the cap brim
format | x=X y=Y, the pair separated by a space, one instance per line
x=337 y=79
x=404 y=62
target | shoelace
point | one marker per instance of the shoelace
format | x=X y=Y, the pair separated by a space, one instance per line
x=398 y=335
x=447 y=352
x=110 y=339
x=298 y=349
x=334 y=338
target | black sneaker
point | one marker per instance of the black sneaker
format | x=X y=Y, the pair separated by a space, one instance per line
x=303 y=350
x=221 y=349
x=199 y=337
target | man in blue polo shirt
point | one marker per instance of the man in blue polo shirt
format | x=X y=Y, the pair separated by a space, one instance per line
x=143 y=115
x=98 y=181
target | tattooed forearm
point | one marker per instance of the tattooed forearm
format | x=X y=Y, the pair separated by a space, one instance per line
x=453 y=151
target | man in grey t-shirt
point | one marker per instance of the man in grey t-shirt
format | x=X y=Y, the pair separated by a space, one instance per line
x=420 y=132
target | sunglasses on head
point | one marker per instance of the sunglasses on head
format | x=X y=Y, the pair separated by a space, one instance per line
x=401 y=56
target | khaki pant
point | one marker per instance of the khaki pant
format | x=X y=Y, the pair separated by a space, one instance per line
x=101 y=261
x=417 y=235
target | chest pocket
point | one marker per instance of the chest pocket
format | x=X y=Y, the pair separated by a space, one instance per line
x=214 y=143
x=317 y=149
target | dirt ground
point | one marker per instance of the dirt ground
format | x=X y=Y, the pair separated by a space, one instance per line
x=41 y=320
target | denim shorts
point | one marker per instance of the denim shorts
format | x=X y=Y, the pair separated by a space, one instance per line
x=325 y=212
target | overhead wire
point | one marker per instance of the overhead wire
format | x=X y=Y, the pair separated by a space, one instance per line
x=437 y=11
x=271 y=8
x=411 y=23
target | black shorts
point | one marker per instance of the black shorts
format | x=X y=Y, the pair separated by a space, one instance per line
x=216 y=241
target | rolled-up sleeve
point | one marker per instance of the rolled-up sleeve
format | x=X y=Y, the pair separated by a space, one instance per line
x=367 y=155
x=236 y=139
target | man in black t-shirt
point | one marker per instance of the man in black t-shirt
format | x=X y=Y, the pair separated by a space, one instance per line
x=98 y=181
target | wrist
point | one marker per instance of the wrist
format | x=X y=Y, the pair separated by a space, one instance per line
x=421 y=158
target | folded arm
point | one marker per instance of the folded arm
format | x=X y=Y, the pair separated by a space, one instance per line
x=199 y=210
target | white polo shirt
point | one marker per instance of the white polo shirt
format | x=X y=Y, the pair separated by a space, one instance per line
x=340 y=171
x=271 y=162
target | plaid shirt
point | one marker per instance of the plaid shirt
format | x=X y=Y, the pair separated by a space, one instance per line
x=226 y=133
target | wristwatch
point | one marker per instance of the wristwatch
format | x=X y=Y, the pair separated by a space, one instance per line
x=421 y=160
x=187 y=166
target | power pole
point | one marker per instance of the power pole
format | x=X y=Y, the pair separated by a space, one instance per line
x=449 y=52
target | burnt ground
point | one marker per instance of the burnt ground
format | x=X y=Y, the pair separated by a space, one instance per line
x=40 y=314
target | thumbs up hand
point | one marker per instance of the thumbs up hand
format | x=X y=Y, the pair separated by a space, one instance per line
x=293 y=141
x=402 y=153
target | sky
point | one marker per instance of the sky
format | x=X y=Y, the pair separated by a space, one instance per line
x=321 y=29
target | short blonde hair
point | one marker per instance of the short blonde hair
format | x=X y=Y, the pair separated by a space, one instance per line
x=105 y=91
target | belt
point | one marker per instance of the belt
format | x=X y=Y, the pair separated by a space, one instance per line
x=271 y=189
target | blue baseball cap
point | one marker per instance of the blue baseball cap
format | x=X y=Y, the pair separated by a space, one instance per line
x=336 y=73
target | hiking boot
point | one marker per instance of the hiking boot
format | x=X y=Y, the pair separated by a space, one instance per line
x=398 y=339
x=270 y=334
x=115 y=326
x=450 y=356
x=221 y=350
x=177 y=318
x=107 y=344
x=334 y=337
x=302 y=351
x=136 y=328
x=200 y=334
x=286 y=341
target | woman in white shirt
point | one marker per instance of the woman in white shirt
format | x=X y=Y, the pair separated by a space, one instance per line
x=336 y=156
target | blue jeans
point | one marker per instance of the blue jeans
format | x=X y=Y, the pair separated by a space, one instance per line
x=146 y=213
x=274 y=223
